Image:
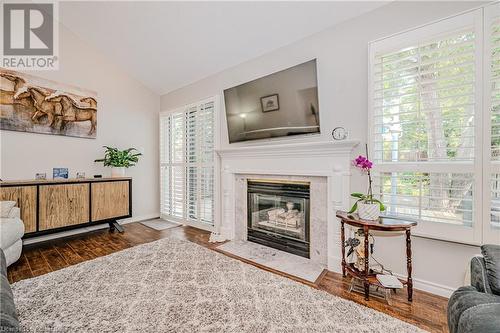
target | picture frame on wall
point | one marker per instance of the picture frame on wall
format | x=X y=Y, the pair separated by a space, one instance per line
x=270 y=103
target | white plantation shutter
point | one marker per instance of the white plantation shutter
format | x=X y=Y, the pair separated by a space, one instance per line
x=424 y=108
x=491 y=169
x=423 y=101
x=187 y=143
x=495 y=89
x=495 y=201
x=165 y=200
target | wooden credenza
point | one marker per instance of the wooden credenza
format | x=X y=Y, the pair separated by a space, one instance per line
x=55 y=205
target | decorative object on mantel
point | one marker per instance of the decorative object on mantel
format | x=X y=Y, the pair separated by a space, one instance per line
x=118 y=160
x=367 y=275
x=80 y=175
x=368 y=207
x=33 y=104
x=339 y=133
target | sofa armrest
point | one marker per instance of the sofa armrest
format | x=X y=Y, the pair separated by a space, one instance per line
x=480 y=318
x=15 y=212
x=471 y=311
x=491 y=254
x=8 y=314
x=479 y=278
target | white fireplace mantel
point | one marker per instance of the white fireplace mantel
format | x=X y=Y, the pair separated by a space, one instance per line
x=328 y=159
x=291 y=149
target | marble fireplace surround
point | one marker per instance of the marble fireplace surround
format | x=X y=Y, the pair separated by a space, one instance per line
x=318 y=213
x=326 y=165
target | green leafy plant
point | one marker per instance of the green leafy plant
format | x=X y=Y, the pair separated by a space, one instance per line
x=365 y=165
x=367 y=198
x=114 y=157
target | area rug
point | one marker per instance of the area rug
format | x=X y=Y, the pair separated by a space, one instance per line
x=281 y=261
x=159 y=224
x=174 y=285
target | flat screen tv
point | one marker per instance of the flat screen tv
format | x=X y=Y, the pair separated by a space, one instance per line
x=281 y=104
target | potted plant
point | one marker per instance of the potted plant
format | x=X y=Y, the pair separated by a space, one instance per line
x=118 y=160
x=368 y=207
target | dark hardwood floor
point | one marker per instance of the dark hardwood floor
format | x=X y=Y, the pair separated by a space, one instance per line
x=427 y=311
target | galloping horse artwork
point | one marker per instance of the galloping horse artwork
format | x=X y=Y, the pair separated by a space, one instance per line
x=32 y=104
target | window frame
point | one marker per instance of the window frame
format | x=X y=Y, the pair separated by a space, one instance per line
x=216 y=165
x=442 y=231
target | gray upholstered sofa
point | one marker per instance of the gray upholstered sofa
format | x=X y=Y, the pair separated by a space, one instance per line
x=8 y=315
x=476 y=308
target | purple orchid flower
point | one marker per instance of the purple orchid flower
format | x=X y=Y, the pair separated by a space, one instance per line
x=363 y=163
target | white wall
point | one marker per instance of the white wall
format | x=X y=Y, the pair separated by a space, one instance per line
x=342 y=54
x=127 y=117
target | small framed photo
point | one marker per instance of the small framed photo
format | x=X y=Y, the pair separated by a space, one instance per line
x=41 y=176
x=270 y=103
x=80 y=175
x=60 y=173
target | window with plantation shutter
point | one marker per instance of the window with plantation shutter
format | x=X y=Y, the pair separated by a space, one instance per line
x=491 y=228
x=495 y=90
x=187 y=143
x=495 y=121
x=425 y=96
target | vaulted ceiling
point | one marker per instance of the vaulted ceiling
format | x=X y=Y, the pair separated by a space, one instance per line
x=167 y=45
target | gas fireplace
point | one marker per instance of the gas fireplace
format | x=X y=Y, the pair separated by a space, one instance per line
x=278 y=215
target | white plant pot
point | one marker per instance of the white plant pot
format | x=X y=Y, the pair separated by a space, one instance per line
x=117 y=172
x=368 y=211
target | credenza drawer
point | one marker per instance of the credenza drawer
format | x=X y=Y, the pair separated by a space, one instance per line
x=63 y=205
x=25 y=196
x=110 y=200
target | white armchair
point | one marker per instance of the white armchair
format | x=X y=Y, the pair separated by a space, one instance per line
x=11 y=231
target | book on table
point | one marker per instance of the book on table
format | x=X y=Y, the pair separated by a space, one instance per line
x=389 y=281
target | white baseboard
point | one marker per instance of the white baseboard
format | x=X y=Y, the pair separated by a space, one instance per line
x=82 y=230
x=140 y=218
x=430 y=287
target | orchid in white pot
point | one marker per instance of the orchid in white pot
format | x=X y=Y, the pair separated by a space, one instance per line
x=367 y=206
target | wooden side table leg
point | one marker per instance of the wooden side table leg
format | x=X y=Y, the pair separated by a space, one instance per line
x=365 y=280
x=409 y=265
x=342 y=240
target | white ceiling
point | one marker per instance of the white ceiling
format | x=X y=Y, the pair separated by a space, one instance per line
x=168 y=45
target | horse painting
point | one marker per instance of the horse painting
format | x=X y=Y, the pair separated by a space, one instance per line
x=33 y=104
x=73 y=113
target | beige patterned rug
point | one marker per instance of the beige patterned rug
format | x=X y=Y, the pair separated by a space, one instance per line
x=178 y=286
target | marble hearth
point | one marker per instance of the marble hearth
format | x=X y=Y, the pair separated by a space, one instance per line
x=324 y=165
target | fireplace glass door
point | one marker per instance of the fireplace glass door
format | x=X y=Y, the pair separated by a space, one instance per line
x=278 y=215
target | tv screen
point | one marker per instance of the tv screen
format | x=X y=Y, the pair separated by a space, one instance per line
x=280 y=104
